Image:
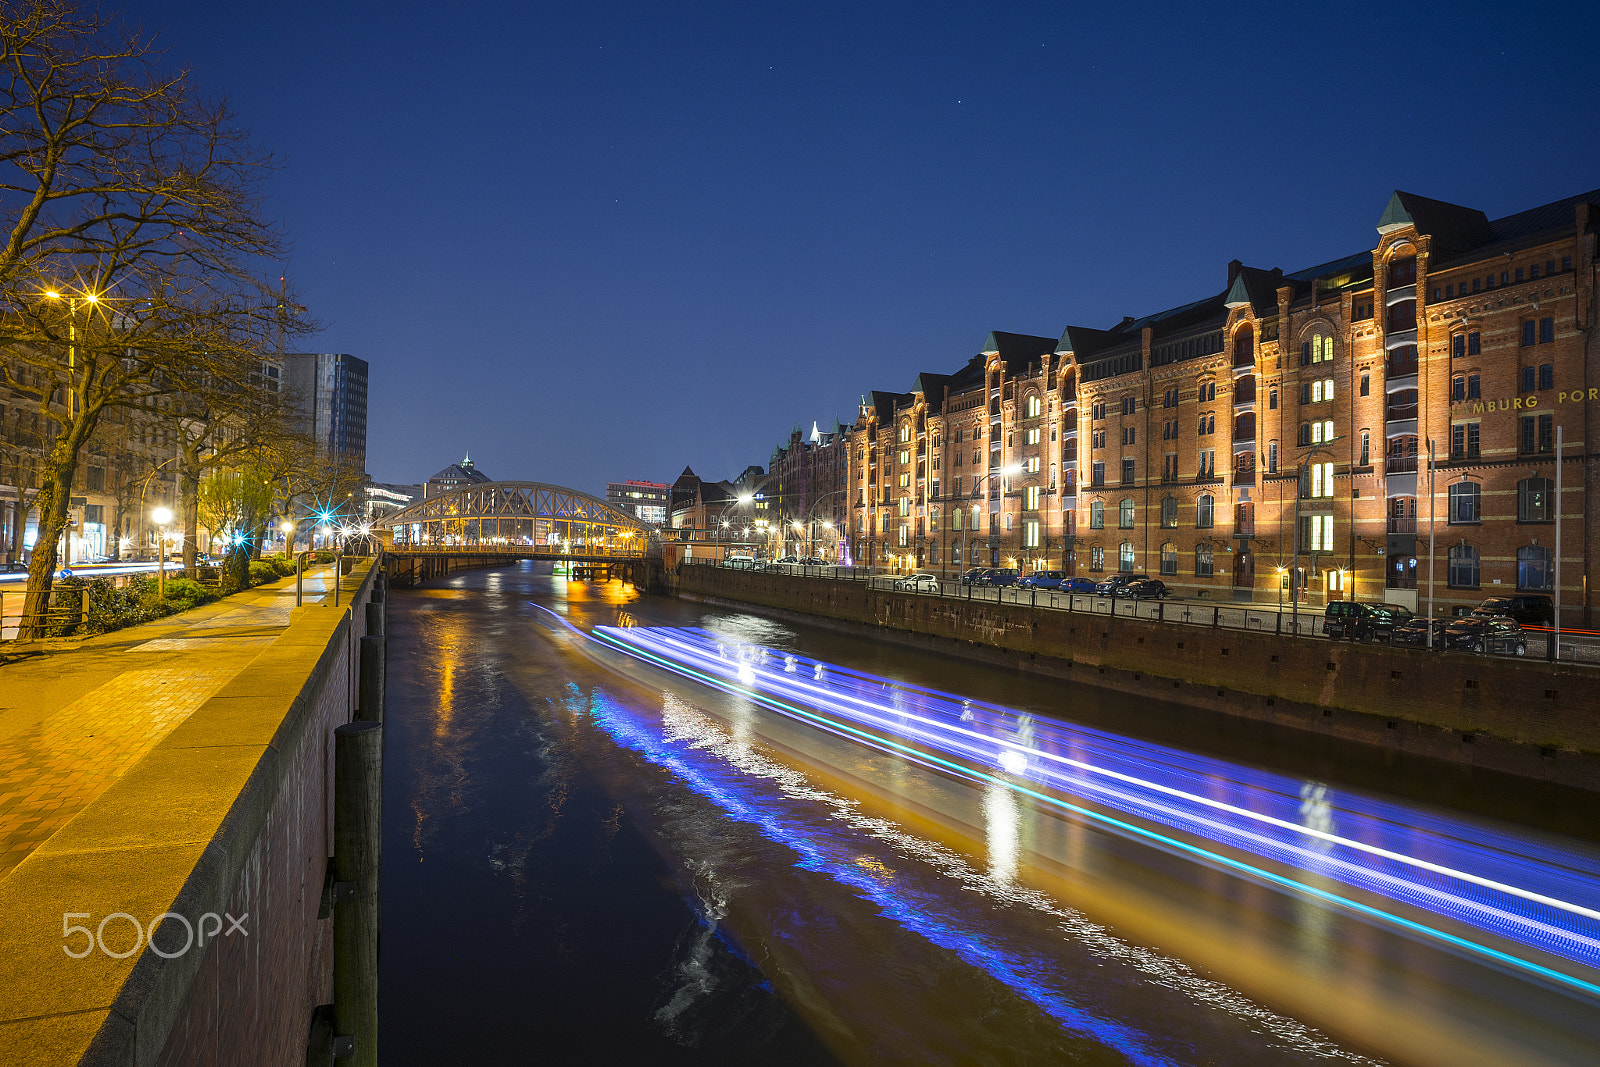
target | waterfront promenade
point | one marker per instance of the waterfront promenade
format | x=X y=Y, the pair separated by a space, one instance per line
x=181 y=774
x=75 y=715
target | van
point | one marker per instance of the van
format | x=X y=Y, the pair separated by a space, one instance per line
x=1350 y=621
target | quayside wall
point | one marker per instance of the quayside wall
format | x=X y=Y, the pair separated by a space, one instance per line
x=1524 y=717
x=230 y=815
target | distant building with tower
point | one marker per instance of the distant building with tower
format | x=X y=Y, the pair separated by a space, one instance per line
x=454 y=477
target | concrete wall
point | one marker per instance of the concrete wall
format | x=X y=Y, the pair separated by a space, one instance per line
x=231 y=814
x=1525 y=717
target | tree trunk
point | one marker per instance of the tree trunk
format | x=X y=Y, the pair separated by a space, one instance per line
x=52 y=502
x=189 y=507
x=19 y=525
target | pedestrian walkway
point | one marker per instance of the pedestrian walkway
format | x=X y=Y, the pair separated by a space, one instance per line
x=76 y=715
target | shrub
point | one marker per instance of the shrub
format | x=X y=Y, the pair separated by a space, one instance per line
x=184 y=593
x=284 y=567
x=208 y=574
x=262 y=572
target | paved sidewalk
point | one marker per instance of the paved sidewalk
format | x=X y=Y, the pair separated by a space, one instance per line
x=76 y=715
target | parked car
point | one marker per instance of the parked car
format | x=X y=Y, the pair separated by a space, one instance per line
x=1348 y=620
x=999 y=576
x=1076 y=585
x=813 y=561
x=740 y=563
x=1109 y=586
x=972 y=576
x=1145 y=589
x=1486 y=633
x=1041 y=580
x=918 y=583
x=1529 y=610
x=1414 y=631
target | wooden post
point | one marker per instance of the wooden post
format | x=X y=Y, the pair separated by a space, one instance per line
x=374 y=615
x=357 y=803
x=369 y=706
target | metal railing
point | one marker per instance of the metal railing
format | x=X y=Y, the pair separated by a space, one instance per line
x=1307 y=622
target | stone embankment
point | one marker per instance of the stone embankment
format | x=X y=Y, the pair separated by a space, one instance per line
x=169 y=899
x=1519 y=716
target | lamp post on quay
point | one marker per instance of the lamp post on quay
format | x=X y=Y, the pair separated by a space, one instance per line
x=287 y=526
x=162 y=517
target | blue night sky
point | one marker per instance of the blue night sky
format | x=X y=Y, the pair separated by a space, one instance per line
x=593 y=242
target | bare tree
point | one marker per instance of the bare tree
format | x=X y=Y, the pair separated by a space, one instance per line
x=134 y=220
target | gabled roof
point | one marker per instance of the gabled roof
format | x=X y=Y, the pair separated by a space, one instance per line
x=885 y=403
x=930 y=385
x=1018 y=347
x=1083 y=342
x=1256 y=289
x=1453 y=228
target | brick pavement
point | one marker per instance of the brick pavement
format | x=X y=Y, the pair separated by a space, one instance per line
x=76 y=715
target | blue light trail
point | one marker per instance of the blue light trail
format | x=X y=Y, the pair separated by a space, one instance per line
x=1516 y=904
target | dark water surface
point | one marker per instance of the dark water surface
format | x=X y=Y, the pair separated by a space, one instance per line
x=589 y=861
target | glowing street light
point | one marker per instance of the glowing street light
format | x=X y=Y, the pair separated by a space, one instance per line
x=162 y=517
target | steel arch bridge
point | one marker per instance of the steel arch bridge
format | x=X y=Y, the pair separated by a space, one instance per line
x=528 y=519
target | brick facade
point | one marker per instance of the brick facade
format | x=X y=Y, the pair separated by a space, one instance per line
x=1282 y=426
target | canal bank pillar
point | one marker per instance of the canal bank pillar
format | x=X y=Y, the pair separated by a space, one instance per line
x=357 y=801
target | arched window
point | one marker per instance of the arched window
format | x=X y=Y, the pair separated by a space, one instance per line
x=1463 y=567
x=1534 y=500
x=1125 y=513
x=1244 y=426
x=1244 y=346
x=1097 y=515
x=1533 y=568
x=1125 y=557
x=1034 y=407
x=1203 y=561
x=1205 y=511
x=1464 y=497
x=1097 y=558
x=1169 y=558
x=1169 y=512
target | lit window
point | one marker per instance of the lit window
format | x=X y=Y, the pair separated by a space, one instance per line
x=1033 y=407
x=1033 y=436
x=1125 y=514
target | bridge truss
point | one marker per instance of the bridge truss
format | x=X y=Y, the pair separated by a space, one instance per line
x=521 y=518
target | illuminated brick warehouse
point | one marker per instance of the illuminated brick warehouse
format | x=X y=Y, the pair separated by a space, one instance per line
x=1458 y=353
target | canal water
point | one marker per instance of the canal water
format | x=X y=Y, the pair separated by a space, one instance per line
x=587 y=860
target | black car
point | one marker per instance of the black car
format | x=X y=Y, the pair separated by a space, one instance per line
x=1109 y=586
x=1362 y=622
x=1414 y=631
x=1145 y=589
x=999 y=576
x=972 y=576
x=1527 y=610
x=1486 y=633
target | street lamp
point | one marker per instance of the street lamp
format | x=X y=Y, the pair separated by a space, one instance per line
x=287 y=526
x=72 y=344
x=162 y=517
